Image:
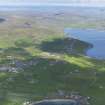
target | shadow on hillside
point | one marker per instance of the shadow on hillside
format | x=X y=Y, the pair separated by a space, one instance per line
x=49 y=78
x=42 y=76
x=66 y=45
x=14 y=52
x=24 y=43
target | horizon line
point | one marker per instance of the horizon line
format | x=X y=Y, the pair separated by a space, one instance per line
x=55 y=4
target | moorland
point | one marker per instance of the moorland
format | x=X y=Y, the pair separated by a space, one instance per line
x=37 y=61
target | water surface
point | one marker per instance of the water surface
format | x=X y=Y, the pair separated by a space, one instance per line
x=2 y=20
x=57 y=102
x=94 y=37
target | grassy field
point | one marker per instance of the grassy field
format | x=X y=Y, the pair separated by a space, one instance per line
x=36 y=59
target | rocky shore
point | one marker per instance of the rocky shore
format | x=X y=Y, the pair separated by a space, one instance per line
x=72 y=99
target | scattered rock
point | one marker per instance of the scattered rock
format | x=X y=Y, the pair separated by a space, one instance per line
x=101 y=87
x=76 y=70
x=26 y=103
x=34 y=81
x=10 y=79
x=61 y=93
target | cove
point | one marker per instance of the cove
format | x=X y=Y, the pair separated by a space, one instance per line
x=94 y=37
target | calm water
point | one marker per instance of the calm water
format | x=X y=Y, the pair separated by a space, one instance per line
x=94 y=37
x=52 y=8
x=2 y=20
x=57 y=102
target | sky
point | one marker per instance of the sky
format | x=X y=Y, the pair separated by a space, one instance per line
x=34 y=2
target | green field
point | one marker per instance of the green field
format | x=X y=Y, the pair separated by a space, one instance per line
x=36 y=59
